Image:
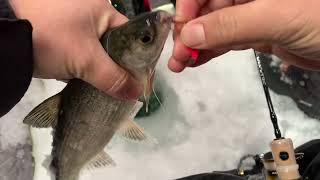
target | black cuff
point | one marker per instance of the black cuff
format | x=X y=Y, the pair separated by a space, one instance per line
x=6 y=10
x=15 y=57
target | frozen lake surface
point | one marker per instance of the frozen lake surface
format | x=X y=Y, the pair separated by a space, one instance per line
x=211 y=117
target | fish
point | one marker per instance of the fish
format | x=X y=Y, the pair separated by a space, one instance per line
x=84 y=119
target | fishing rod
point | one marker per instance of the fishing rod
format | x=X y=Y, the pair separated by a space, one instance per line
x=283 y=156
x=282 y=161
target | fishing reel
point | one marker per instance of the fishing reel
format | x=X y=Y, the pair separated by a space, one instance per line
x=263 y=167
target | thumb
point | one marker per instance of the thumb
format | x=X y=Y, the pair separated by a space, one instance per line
x=246 y=23
x=103 y=73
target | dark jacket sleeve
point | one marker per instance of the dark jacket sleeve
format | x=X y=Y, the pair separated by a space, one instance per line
x=15 y=58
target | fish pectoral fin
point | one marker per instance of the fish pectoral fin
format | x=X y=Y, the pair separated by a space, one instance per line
x=101 y=160
x=132 y=131
x=45 y=114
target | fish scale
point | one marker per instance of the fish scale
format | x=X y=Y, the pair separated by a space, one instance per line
x=72 y=131
x=84 y=119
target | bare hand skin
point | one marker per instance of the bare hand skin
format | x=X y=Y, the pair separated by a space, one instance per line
x=289 y=29
x=66 y=43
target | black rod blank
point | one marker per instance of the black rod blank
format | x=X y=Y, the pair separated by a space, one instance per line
x=273 y=116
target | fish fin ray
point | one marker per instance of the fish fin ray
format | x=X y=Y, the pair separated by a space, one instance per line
x=132 y=131
x=101 y=160
x=46 y=114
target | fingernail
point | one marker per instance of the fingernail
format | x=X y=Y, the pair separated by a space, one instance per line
x=192 y=35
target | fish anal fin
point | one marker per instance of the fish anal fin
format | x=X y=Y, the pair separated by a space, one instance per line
x=101 y=160
x=45 y=114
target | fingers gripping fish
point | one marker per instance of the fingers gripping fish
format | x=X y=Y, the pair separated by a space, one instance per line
x=84 y=119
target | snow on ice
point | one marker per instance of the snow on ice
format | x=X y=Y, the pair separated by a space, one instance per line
x=211 y=117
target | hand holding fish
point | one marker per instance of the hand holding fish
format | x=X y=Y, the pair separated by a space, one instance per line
x=66 y=43
x=84 y=119
x=288 y=29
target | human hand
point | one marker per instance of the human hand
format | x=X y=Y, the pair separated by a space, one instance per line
x=66 y=43
x=289 y=29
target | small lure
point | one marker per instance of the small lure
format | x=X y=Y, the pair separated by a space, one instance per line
x=194 y=54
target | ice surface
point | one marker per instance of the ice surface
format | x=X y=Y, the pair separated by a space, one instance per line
x=16 y=163
x=15 y=149
x=211 y=116
x=12 y=131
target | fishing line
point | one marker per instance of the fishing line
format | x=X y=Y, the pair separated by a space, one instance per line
x=156 y=96
x=273 y=116
x=158 y=99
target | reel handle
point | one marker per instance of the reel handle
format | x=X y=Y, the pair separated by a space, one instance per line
x=284 y=157
x=270 y=170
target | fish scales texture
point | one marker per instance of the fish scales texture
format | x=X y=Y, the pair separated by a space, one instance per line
x=83 y=118
x=88 y=120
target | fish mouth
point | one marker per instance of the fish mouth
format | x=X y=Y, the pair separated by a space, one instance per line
x=165 y=18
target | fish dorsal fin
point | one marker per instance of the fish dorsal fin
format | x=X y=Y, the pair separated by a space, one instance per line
x=132 y=131
x=101 y=160
x=45 y=114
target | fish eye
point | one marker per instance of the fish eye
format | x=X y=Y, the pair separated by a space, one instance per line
x=145 y=37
